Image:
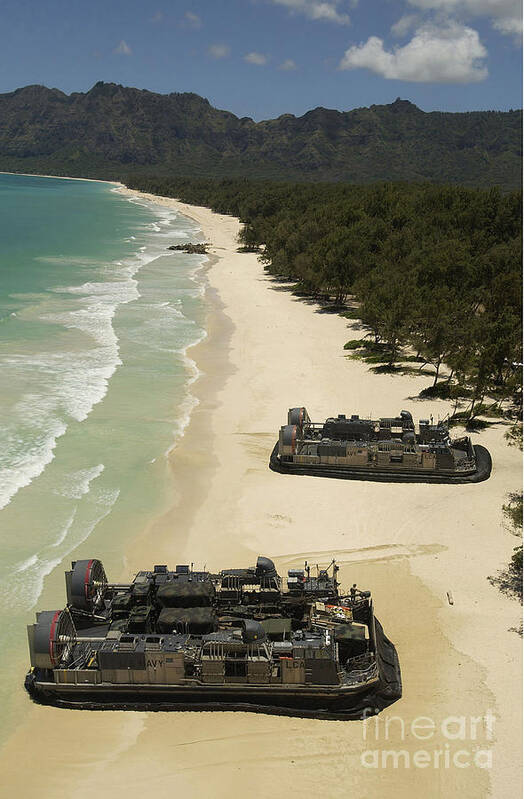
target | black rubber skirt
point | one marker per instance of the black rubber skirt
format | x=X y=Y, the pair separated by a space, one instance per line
x=341 y=706
x=482 y=472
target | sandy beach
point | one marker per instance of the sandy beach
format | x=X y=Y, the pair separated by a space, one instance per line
x=410 y=545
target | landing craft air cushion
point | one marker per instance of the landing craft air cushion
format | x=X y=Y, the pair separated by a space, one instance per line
x=187 y=639
x=387 y=450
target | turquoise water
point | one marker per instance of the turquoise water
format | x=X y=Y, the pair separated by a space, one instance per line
x=95 y=319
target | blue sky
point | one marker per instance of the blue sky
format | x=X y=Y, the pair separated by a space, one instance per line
x=262 y=58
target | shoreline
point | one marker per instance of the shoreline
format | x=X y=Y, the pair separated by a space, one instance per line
x=266 y=351
x=61 y=177
x=188 y=464
x=41 y=556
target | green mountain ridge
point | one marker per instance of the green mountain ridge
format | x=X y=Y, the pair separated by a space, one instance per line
x=112 y=131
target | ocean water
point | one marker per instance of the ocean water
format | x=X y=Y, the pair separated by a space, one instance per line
x=96 y=316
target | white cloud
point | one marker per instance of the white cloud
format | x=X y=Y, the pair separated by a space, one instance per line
x=288 y=65
x=505 y=15
x=219 y=50
x=122 y=49
x=508 y=25
x=157 y=17
x=259 y=59
x=443 y=54
x=192 y=20
x=324 y=10
x=404 y=25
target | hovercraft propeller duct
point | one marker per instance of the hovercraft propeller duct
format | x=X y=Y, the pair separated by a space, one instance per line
x=52 y=638
x=88 y=583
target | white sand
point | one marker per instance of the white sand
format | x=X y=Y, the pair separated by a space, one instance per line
x=409 y=544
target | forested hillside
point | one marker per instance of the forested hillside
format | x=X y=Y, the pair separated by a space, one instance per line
x=112 y=130
x=436 y=268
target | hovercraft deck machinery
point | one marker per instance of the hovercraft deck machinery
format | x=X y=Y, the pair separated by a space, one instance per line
x=388 y=450
x=187 y=639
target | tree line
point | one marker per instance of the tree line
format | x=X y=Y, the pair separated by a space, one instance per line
x=435 y=268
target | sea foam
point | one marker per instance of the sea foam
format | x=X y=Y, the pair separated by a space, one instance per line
x=67 y=384
x=24 y=582
x=77 y=484
x=21 y=462
x=79 y=380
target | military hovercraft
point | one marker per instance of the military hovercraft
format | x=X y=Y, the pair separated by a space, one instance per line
x=188 y=639
x=388 y=450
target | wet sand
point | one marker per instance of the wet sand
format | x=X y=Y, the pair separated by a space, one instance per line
x=410 y=544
